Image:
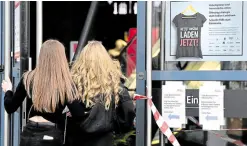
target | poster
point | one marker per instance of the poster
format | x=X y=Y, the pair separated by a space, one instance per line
x=211 y=107
x=173 y=104
x=205 y=31
x=17 y=31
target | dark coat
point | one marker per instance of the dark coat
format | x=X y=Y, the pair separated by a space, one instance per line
x=125 y=110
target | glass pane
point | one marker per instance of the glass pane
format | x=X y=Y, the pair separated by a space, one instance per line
x=225 y=44
x=156 y=23
x=225 y=39
x=193 y=134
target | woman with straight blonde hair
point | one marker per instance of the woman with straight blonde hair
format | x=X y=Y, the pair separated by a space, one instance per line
x=98 y=80
x=49 y=87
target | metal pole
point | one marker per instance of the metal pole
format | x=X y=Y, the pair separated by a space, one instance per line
x=24 y=48
x=39 y=27
x=24 y=104
x=13 y=136
x=7 y=63
x=162 y=55
x=162 y=37
x=140 y=70
x=149 y=69
x=86 y=28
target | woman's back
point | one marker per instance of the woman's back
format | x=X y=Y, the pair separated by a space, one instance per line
x=98 y=126
x=98 y=80
x=48 y=88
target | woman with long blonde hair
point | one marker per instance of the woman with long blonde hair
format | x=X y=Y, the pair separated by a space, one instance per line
x=49 y=87
x=97 y=78
x=94 y=72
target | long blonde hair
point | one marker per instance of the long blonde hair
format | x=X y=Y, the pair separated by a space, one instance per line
x=95 y=73
x=50 y=83
x=117 y=63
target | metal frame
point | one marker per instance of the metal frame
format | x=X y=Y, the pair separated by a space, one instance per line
x=24 y=50
x=140 y=68
x=39 y=27
x=7 y=44
x=234 y=75
x=15 y=117
x=2 y=73
x=161 y=75
x=162 y=60
x=149 y=69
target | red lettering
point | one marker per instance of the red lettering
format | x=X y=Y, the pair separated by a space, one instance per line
x=196 y=42
x=185 y=42
x=189 y=42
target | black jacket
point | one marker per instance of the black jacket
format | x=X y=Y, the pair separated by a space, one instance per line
x=125 y=112
x=13 y=100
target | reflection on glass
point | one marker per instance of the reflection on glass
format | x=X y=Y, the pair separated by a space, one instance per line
x=231 y=123
x=125 y=53
x=128 y=64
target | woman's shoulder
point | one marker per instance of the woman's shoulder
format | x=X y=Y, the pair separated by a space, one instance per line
x=27 y=74
x=26 y=80
x=124 y=93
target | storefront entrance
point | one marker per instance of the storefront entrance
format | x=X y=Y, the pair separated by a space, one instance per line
x=194 y=49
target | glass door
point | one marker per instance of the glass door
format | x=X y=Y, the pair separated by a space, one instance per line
x=195 y=44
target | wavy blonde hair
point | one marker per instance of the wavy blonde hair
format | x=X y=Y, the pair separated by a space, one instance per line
x=117 y=63
x=50 y=83
x=95 y=73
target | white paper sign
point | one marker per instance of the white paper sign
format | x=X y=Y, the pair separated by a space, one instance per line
x=173 y=105
x=211 y=107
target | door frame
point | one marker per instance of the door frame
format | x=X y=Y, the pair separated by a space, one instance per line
x=164 y=75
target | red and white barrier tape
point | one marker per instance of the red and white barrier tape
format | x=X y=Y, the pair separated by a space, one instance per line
x=226 y=138
x=167 y=132
x=164 y=128
x=237 y=129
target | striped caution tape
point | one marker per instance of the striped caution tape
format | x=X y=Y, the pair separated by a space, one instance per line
x=184 y=130
x=164 y=128
x=226 y=138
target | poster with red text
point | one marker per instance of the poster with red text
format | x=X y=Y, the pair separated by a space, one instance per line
x=205 y=31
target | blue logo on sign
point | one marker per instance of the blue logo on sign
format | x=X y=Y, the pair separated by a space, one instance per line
x=211 y=118
x=173 y=117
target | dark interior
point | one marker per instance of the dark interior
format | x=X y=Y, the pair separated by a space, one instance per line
x=64 y=21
